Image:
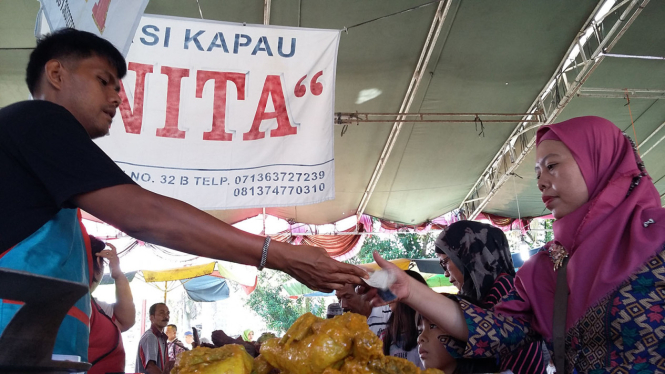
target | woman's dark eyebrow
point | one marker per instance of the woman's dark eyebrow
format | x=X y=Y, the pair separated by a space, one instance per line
x=543 y=161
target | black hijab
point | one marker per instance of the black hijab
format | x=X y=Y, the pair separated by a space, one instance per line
x=480 y=251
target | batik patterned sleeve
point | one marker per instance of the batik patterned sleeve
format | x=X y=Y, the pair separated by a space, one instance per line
x=491 y=334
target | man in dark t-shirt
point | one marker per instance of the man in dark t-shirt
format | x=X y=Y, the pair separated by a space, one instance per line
x=49 y=167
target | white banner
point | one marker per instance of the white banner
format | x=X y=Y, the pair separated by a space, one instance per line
x=226 y=116
x=114 y=20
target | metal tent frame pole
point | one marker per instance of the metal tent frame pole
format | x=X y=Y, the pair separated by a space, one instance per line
x=357 y=118
x=425 y=55
x=266 y=11
x=651 y=135
x=620 y=93
x=554 y=97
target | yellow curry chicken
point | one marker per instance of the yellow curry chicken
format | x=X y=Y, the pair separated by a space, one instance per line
x=231 y=359
x=341 y=345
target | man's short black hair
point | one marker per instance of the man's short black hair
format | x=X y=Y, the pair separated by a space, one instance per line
x=175 y=328
x=70 y=43
x=153 y=308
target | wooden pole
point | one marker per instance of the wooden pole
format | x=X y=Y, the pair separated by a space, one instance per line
x=143 y=317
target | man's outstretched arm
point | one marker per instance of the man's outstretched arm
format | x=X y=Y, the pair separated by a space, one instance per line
x=171 y=223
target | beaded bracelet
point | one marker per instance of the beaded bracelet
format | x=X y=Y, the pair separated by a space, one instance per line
x=264 y=254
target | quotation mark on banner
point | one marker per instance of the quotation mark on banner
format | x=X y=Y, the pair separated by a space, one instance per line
x=315 y=87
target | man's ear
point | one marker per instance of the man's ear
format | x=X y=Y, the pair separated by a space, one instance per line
x=53 y=74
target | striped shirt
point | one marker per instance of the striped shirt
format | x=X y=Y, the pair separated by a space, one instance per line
x=152 y=347
x=378 y=319
x=528 y=359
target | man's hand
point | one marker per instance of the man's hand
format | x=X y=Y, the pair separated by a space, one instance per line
x=114 y=263
x=152 y=368
x=313 y=267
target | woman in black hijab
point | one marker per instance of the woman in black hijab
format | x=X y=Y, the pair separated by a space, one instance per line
x=476 y=258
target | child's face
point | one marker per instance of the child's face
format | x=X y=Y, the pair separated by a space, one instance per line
x=432 y=352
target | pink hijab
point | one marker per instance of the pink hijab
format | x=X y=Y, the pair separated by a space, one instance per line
x=608 y=238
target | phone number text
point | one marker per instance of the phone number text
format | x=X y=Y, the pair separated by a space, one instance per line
x=278 y=190
x=280 y=177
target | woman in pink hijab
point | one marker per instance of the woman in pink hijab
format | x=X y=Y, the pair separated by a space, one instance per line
x=609 y=239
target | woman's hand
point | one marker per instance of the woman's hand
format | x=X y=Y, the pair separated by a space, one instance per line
x=401 y=287
x=114 y=262
x=123 y=309
x=442 y=311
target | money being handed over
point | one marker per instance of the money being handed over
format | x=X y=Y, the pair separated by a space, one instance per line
x=382 y=280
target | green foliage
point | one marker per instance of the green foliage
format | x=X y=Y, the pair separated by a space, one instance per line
x=392 y=247
x=549 y=235
x=534 y=238
x=318 y=306
x=277 y=310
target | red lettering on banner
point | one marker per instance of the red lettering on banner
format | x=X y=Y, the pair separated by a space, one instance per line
x=170 y=129
x=99 y=13
x=272 y=87
x=218 y=131
x=315 y=87
x=300 y=89
x=133 y=120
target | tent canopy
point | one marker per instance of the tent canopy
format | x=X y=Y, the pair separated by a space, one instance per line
x=489 y=57
x=207 y=288
x=187 y=272
x=204 y=283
